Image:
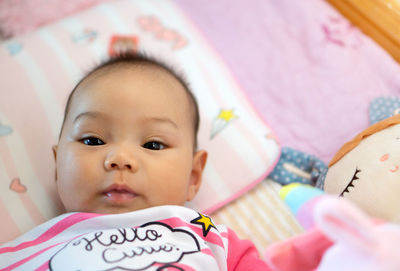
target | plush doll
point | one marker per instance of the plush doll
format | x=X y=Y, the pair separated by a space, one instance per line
x=359 y=244
x=339 y=236
x=366 y=170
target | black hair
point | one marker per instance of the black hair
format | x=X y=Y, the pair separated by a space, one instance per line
x=140 y=59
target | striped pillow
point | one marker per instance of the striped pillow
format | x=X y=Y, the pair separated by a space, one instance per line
x=39 y=69
x=260 y=215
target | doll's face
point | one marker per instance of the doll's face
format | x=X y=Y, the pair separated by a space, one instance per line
x=369 y=175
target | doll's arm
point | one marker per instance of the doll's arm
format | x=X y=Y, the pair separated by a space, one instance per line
x=343 y=238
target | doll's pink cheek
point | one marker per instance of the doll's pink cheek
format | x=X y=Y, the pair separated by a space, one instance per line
x=384 y=157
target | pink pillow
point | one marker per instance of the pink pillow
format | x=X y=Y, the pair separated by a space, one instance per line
x=39 y=70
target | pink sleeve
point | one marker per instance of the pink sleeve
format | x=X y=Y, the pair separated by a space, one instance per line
x=300 y=253
x=243 y=255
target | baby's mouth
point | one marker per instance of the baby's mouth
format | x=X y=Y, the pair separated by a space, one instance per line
x=119 y=193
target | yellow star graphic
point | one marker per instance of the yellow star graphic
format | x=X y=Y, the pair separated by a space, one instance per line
x=205 y=222
x=226 y=115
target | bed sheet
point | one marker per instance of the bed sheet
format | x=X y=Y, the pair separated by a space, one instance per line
x=307 y=70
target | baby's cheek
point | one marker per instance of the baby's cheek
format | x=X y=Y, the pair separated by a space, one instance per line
x=173 y=193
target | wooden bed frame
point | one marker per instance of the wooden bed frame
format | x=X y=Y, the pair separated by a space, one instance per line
x=379 y=19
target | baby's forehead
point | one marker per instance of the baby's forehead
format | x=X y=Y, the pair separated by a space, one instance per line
x=127 y=75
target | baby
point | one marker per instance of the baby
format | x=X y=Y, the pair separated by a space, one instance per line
x=128 y=141
x=128 y=148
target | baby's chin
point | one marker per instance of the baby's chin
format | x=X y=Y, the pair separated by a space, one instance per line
x=112 y=209
x=105 y=207
x=109 y=209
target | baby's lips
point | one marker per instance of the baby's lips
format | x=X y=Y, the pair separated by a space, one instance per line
x=119 y=188
x=119 y=195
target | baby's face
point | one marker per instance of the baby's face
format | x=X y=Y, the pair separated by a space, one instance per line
x=127 y=143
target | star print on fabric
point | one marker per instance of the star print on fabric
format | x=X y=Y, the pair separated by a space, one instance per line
x=224 y=117
x=205 y=222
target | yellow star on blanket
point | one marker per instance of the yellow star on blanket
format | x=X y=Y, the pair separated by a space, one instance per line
x=225 y=117
x=205 y=222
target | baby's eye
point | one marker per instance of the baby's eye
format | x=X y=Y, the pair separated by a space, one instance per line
x=92 y=141
x=153 y=145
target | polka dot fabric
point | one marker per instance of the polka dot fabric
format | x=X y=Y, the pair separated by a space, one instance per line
x=383 y=107
x=296 y=166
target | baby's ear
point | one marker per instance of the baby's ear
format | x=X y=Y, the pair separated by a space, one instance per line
x=54 y=148
x=199 y=163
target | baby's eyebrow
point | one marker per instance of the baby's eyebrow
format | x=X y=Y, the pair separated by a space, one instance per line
x=160 y=119
x=91 y=114
x=95 y=114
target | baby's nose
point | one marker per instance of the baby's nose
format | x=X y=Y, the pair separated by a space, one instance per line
x=120 y=160
x=118 y=166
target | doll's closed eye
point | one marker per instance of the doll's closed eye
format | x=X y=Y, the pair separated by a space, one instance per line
x=354 y=178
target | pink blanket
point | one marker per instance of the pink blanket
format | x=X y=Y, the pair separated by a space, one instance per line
x=309 y=73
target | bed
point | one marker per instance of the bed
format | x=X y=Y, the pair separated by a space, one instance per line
x=309 y=73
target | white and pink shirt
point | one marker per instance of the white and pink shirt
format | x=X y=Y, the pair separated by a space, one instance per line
x=158 y=238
